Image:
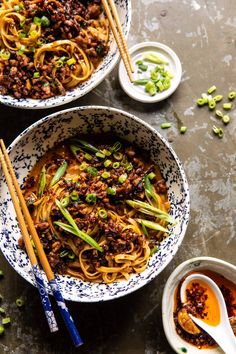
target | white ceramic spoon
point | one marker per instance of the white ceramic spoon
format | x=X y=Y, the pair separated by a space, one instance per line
x=221 y=333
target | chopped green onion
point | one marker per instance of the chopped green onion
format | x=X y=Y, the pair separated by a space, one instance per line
x=226 y=119
x=20 y=302
x=211 y=89
x=150 y=87
x=116 y=147
x=149 y=190
x=202 y=101
x=22 y=49
x=85 y=145
x=60 y=62
x=153 y=250
x=92 y=170
x=64 y=253
x=212 y=104
x=22 y=35
x=227 y=106
x=36 y=75
x=37 y=20
x=71 y=61
x=107 y=163
x=183 y=129
x=153 y=225
x=143 y=67
x=88 y=156
x=141 y=81
x=74 y=196
x=59 y=174
x=155 y=58
x=1 y=274
x=129 y=167
x=151 y=175
x=105 y=175
x=2 y=311
x=148 y=209
x=41 y=41
x=5 y=54
x=116 y=165
x=219 y=113
x=111 y=191
x=2 y=330
x=100 y=154
x=231 y=95
x=122 y=178
x=83 y=166
x=144 y=229
x=102 y=213
x=6 y=321
x=71 y=255
x=106 y=152
x=139 y=62
x=118 y=156
x=165 y=125
x=218 y=98
x=45 y=21
x=42 y=181
x=73 y=228
x=91 y=198
x=218 y=131
x=65 y=201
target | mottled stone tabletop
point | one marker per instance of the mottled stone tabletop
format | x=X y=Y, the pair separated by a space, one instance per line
x=203 y=34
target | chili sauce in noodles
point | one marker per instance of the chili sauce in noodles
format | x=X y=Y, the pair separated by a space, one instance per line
x=116 y=198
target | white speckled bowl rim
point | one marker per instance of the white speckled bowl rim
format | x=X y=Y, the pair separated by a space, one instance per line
x=74 y=289
x=106 y=66
x=222 y=267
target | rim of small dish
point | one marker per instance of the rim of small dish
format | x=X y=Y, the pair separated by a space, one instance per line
x=169 y=257
x=167 y=300
x=73 y=94
x=129 y=88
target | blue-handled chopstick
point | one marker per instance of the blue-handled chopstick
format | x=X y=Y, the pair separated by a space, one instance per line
x=20 y=208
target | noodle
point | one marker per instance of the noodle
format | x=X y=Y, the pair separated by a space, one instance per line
x=48 y=47
x=115 y=179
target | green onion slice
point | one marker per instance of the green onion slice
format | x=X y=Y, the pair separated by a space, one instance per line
x=59 y=174
x=42 y=181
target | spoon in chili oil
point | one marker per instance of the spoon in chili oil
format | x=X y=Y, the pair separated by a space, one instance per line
x=214 y=317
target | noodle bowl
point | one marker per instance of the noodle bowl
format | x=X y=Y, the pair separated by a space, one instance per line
x=43 y=136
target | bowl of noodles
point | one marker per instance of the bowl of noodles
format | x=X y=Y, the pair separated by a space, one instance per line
x=108 y=197
x=53 y=52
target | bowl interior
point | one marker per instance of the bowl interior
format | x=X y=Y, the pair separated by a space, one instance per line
x=41 y=136
x=106 y=65
x=196 y=264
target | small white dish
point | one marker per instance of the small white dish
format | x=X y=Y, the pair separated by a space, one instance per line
x=219 y=266
x=137 y=92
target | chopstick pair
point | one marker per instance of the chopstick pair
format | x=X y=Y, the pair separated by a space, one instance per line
x=24 y=217
x=113 y=18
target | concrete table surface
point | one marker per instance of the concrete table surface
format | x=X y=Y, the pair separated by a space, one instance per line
x=203 y=34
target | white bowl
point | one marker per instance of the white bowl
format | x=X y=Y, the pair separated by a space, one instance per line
x=105 y=67
x=137 y=92
x=38 y=138
x=179 y=345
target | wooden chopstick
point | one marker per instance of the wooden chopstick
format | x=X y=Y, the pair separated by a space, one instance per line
x=119 y=37
x=30 y=251
x=117 y=20
x=21 y=207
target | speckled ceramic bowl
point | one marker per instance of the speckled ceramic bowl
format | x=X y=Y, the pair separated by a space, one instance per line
x=105 y=67
x=180 y=346
x=38 y=138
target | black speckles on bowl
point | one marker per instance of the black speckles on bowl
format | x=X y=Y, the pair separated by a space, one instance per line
x=38 y=138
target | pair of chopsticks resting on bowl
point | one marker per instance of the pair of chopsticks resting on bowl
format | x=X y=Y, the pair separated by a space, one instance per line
x=114 y=21
x=25 y=223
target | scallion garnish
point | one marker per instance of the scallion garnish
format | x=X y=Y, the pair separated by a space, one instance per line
x=107 y=163
x=42 y=182
x=122 y=178
x=74 y=196
x=105 y=175
x=111 y=191
x=6 y=321
x=59 y=173
x=118 y=156
x=92 y=170
x=116 y=165
x=153 y=225
x=73 y=228
x=102 y=213
x=20 y=302
x=65 y=201
x=91 y=198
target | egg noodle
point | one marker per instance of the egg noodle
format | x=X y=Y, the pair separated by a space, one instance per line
x=28 y=35
x=126 y=247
